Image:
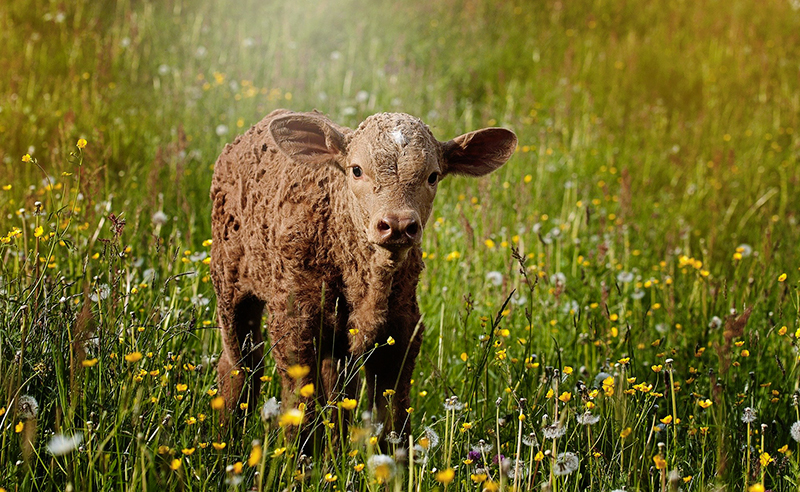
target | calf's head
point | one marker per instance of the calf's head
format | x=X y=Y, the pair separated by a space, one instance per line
x=393 y=166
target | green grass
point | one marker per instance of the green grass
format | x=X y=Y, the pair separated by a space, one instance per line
x=656 y=138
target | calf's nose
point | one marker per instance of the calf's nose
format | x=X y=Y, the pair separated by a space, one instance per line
x=399 y=228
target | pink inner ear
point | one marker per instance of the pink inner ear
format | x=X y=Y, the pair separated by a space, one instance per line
x=480 y=152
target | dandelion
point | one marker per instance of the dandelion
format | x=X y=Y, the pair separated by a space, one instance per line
x=554 y=430
x=565 y=464
x=795 y=431
x=625 y=277
x=530 y=440
x=27 y=407
x=382 y=467
x=293 y=416
x=270 y=410
x=588 y=418
x=452 y=404
x=159 y=218
x=715 y=322
x=60 y=444
x=748 y=415
x=495 y=278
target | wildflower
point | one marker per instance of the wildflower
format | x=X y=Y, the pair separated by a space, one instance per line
x=705 y=403
x=795 y=431
x=495 y=278
x=293 y=416
x=218 y=403
x=478 y=477
x=565 y=396
x=757 y=487
x=270 y=410
x=133 y=357
x=390 y=341
x=445 y=476
x=243 y=405
x=765 y=459
x=625 y=432
x=19 y=427
x=748 y=415
x=297 y=371
x=782 y=277
x=358 y=468
x=565 y=464
x=81 y=143
x=588 y=418
x=175 y=464
x=660 y=462
x=530 y=440
x=188 y=451
x=27 y=407
x=432 y=437
x=60 y=444
x=307 y=390
x=330 y=478
x=159 y=218
x=219 y=446
x=554 y=431
x=539 y=456
x=382 y=467
x=453 y=404
x=348 y=404
x=181 y=387
x=26 y=158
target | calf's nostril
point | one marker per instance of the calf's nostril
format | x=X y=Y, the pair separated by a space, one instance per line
x=412 y=229
x=384 y=226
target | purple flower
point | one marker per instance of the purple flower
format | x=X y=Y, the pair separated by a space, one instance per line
x=475 y=456
x=498 y=458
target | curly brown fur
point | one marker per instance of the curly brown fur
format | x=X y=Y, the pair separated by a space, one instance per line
x=321 y=226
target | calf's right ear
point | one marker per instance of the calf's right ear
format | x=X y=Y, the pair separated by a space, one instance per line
x=307 y=138
x=478 y=153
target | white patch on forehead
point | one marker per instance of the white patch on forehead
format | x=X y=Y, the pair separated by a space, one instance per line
x=398 y=137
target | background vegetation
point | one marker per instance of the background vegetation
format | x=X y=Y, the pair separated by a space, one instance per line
x=652 y=204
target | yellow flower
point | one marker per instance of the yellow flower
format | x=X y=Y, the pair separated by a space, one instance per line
x=657 y=368
x=756 y=488
x=243 y=405
x=81 y=143
x=390 y=341
x=549 y=393
x=237 y=467
x=175 y=464
x=745 y=353
x=782 y=277
x=539 y=456
x=445 y=476
x=330 y=478
x=187 y=451
x=26 y=158
x=348 y=403
x=291 y=417
x=181 y=387
x=219 y=446
x=478 y=477
x=38 y=231
x=278 y=452
x=705 y=403
x=565 y=396
x=765 y=459
x=218 y=403
x=660 y=462
x=297 y=371
x=568 y=370
x=255 y=456
x=18 y=428
x=359 y=467
x=489 y=243
x=89 y=362
x=667 y=420
x=133 y=357
x=626 y=432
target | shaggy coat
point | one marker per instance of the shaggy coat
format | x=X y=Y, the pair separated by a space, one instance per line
x=321 y=225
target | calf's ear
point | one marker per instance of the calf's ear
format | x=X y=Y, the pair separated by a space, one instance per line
x=478 y=153
x=307 y=138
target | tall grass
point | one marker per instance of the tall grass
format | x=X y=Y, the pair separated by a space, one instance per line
x=636 y=258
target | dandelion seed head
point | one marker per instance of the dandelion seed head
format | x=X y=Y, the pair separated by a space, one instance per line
x=27 y=407
x=271 y=409
x=748 y=415
x=588 y=418
x=60 y=444
x=795 y=431
x=554 y=430
x=565 y=464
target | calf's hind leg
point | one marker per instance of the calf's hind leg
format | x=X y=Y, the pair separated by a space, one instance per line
x=242 y=347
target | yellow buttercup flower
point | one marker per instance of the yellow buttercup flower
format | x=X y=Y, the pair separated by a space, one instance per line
x=26 y=158
x=81 y=143
x=445 y=476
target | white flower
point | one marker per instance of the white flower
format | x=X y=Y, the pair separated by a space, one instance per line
x=748 y=415
x=271 y=409
x=795 y=431
x=745 y=250
x=394 y=438
x=554 y=431
x=494 y=278
x=530 y=440
x=452 y=403
x=558 y=279
x=565 y=464
x=381 y=465
x=27 y=407
x=221 y=130
x=433 y=437
x=715 y=322
x=588 y=418
x=159 y=218
x=625 y=277
x=60 y=444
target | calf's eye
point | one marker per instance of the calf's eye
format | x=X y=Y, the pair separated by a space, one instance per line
x=357 y=172
x=433 y=178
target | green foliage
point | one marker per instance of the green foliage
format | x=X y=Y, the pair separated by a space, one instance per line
x=636 y=258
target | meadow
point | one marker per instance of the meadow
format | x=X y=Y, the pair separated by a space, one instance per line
x=617 y=308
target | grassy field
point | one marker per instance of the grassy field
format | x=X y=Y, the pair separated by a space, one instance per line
x=637 y=259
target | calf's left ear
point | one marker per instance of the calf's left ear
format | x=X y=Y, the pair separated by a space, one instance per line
x=478 y=153
x=307 y=138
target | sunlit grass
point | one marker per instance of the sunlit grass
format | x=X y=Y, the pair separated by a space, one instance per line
x=616 y=308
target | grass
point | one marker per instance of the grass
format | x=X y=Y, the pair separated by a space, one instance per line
x=637 y=257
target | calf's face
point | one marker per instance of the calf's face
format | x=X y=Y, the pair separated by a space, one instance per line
x=393 y=166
